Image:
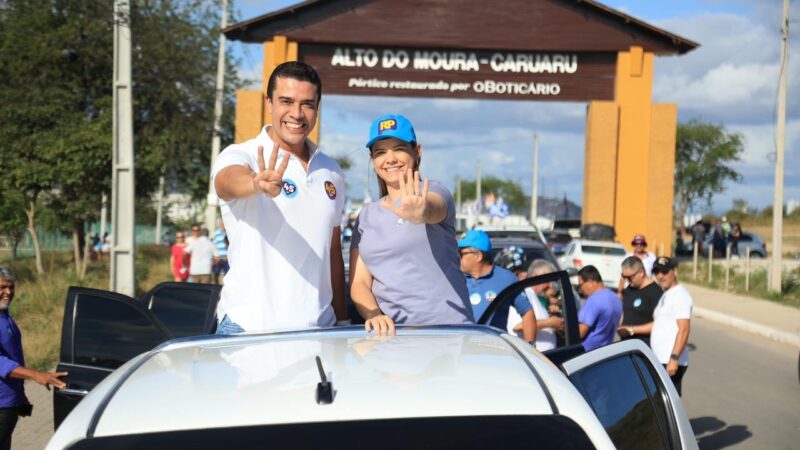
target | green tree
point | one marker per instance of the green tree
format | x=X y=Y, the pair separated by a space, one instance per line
x=344 y=162
x=511 y=191
x=703 y=157
x=12 y=221
x=174 y=75
x=56 y=70
x=740 y=211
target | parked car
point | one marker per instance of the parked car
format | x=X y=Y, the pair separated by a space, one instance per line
x=758 y=247
x=605 y=256
x=557 y=241
x=533 y=249
x=513 y=232
x=459 y=387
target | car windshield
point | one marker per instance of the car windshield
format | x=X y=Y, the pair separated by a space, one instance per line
x=601 y=250
x=531 y=253
x=457 y=433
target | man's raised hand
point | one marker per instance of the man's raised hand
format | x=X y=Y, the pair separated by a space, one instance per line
x=413 y=205
x=269 y=180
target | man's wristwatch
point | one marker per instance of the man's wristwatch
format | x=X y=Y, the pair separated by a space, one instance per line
x=674 y=357
x=630 y=330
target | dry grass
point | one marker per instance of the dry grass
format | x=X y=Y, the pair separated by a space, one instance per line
x=791 y=235
x=38 y=307
x=790 y=289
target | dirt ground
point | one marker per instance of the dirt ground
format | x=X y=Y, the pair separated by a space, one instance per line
x=791 y=235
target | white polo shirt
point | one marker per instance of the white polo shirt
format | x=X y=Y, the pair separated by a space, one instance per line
x=676 y=303
x=279 y=252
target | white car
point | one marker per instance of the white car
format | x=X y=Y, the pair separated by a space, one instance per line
x=459 y=387
x=606 y=256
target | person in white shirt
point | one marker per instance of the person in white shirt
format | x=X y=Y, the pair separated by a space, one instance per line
x=639 y=244
x=282 y=219
x=200 y=252
x=539 y=295
x=671 y=321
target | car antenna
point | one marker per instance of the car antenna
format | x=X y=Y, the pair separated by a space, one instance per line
x=324 y=389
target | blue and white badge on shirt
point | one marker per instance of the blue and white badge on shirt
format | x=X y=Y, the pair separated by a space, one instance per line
x=289 y=188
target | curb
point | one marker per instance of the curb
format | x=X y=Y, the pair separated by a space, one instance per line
x=746 y=325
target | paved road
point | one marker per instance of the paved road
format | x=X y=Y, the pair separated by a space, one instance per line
x=32 y=433
x=741 y=391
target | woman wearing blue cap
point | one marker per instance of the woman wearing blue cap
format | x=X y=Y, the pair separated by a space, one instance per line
x=404 y=265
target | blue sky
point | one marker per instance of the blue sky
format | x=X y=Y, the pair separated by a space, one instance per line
x=731 y=80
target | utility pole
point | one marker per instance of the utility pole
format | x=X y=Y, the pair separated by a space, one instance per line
x=123 y=277
x=478 y=188
x=212 y=200
x=776 y=268
x=535 y=181
x=458 y=194
x=159 y=208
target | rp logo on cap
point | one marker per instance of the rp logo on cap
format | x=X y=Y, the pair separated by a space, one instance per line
x=389 y=124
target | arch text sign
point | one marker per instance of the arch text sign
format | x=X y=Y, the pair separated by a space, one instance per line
x=457 y=73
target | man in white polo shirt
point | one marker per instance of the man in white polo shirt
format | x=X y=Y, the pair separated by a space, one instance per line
x=282 y=199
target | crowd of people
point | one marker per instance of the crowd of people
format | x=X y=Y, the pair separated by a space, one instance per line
x=718 y=235
x=283 y=210
x=278 y=247
x=198 y=258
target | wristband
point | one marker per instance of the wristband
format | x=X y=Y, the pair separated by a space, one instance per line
x=674 y=357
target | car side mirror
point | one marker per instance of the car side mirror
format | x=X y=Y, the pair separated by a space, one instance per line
x=571 y=271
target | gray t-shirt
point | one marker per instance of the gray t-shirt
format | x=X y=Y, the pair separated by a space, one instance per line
x=416 y=271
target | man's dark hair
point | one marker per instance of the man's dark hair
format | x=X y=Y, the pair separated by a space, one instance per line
x=486 y=257
x=298 y=71
x=588 y=273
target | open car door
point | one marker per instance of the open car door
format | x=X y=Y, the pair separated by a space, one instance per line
x=632 y=395
x=569 y=339
x=102 y=330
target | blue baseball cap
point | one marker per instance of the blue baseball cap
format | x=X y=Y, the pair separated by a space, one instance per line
x=391 y=126
x=476 y=239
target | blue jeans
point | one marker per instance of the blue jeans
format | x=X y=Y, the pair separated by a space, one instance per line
x=227 y=326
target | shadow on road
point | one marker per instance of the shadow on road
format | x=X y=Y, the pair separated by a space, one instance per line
x=712 y=433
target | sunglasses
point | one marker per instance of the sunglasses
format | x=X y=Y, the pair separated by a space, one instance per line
x=630 y=277
x=466 y=253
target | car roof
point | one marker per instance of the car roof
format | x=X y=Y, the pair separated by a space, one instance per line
x=272 y=379
x=598 y=243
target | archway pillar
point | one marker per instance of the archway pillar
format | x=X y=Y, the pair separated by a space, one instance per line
x=252 y=112
x=630 y=157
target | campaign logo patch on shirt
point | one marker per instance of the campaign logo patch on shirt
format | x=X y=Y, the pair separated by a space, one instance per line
x=475 y=298
x=637 y=303
x=330 y=189
x=490 y=296
x=289 y=188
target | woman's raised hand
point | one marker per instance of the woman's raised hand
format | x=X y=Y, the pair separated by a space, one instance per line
x=413 y=205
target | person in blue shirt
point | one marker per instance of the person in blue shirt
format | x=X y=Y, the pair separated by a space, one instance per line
x=13 y=372
x=220 y=266
x=601 y=315
x=485 y=280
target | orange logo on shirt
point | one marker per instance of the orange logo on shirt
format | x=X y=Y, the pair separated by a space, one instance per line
x=330 y=189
